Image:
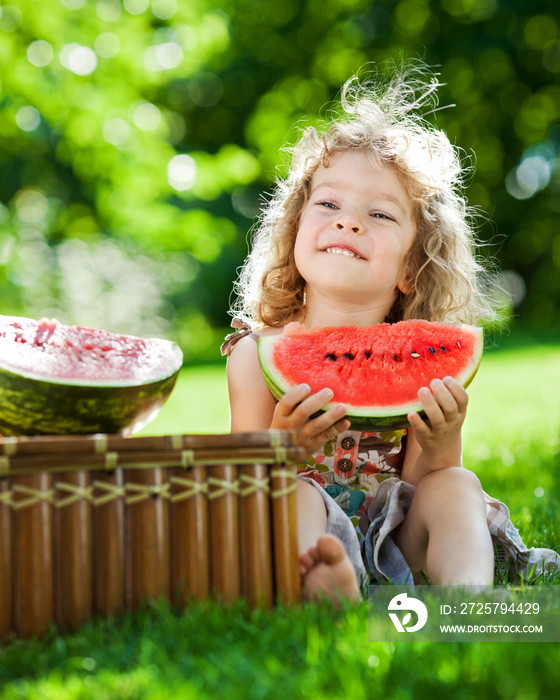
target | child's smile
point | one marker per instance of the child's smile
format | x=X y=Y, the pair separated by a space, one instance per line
x=355 y=232
x=344 y=250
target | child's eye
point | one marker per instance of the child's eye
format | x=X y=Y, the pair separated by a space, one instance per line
x=381 y=215
x=329 y=205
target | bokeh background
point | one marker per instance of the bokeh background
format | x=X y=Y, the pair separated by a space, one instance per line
x=138 y=139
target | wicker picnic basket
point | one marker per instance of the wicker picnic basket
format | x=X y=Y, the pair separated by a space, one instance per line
x=94 y=525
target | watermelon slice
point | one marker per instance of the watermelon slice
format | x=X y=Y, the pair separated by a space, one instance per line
x=376 y=371
x=57 y=379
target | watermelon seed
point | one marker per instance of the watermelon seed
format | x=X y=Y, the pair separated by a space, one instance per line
x=432 y=351
x=348 y=355
x=330 y=356
x=415 y=354
x=396 y=358
x=367 y=353
x=443 y=348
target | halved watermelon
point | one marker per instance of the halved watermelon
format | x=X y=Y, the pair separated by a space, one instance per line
x=376 y=371
x=57 y=379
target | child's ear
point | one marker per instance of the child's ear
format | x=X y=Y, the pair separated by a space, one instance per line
x=404 y=285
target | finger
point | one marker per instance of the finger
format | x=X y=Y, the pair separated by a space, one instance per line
x=458 y=392
x=445 y=399
x=326 y=422
x=431 y=408
x=419 y=424
x=342 y=425
x=334 y=430
x=312 y=404
x=292 y=398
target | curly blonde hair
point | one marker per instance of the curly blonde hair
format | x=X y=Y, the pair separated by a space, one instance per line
x=446 y=281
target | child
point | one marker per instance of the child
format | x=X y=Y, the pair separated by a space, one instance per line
x=371 y=226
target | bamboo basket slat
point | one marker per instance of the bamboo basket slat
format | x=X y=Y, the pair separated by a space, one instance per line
x=26 y=465
x=257 y=574
x=92 y=444
x=148 y=543
x=92 y=525
x=73 y=549
x=33 y=565
x=225 y=565
x=109 y=544
x=285 y=536
x=5 y=559
x=190 y=537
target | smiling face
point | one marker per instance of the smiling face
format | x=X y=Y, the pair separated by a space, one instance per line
x=354 y=233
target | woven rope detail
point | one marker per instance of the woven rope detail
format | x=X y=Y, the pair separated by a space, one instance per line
x=100 y=442
x=111 y=460
x=176 y=442
x=35 y=496
x=283 y=474
x=133 y=493
x=280 y=455
x=254 y=485
x=187 y=458
x=146 y=491
x=4 y=466
x=191 y=488
x=76 y=494
x=113 y=492
x=223 y=487
x=10 y=446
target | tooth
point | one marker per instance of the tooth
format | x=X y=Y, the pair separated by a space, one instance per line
x=342 y=251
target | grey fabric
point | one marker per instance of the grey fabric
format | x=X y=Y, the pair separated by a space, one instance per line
x=339 y=524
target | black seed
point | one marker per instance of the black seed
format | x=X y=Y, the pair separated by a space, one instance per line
x=330 y=356
x=396 y=358
x=432 y=351
x=443 y=348
x=367 y=353
x=348 y=355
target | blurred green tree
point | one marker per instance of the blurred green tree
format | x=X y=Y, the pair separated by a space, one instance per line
x=137 y=139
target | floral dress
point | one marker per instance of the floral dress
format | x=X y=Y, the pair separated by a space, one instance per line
x=359 y=477
x=352 y=467
x=359 y=474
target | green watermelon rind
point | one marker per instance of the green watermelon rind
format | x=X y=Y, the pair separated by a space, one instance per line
x=370 y=418
x=31 y=404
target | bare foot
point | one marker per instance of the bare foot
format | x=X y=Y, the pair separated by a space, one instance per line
x=327 y=572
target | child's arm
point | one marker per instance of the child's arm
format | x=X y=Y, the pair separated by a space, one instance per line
x=251 y=403
x=436 y=444
x=252 y=406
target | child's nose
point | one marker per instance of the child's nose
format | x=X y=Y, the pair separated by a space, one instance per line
x=349 y=220
x=348 y=225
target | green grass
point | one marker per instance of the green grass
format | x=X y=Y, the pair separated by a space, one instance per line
x=198 y=404
x=210 y=651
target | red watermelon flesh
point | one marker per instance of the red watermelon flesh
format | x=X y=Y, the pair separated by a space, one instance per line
x=376 y=371
x=47 y=348
x=58 y=379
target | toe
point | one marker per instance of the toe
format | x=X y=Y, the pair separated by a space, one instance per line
x=305 y=562
x=330 y=549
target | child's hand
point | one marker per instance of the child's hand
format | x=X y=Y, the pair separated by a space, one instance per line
x=294 y=411
x=445 y=405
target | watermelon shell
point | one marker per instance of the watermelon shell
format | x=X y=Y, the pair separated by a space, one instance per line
x=62 y=380
x=375 y=371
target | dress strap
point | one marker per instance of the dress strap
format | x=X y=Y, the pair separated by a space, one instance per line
x=230 y=340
